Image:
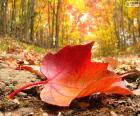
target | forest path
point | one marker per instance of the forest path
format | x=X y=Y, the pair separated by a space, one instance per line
x=28 y=103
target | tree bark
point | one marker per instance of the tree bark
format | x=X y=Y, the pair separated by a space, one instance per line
x=3 y=17
x=57 y=24
x=13 y=19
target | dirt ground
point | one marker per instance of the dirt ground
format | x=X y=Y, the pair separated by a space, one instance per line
x=28 y=103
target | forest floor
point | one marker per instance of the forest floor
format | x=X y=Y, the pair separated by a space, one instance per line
x=28 y=103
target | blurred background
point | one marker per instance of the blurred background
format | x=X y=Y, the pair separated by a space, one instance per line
x=53 y=24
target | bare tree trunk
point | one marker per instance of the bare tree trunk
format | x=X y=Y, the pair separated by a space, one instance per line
x=32 y=15
x=23 y=18
x=29 y=21
x=123 y=46
x=13 y=19
x=49 y=25
x=3 y=17
x=116 y=25
x=57 y=24
x=53 y=26
x=134 y=36
x=138 y=18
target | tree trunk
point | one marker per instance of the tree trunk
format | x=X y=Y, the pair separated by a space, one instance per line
x=32 y=15
x=53 y=26
x=57 y=24
x=23 y=18
x=13 y=19
x=3 y=17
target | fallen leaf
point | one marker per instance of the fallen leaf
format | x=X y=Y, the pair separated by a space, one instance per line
x=71 y=74
x=31 y=68
x=112 y=62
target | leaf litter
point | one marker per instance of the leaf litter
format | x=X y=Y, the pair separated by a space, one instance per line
x=88 y=105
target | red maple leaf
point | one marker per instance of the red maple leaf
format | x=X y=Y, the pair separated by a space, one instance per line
x=70 y=74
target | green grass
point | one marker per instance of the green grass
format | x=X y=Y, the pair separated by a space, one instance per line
x=3 y=46
x=37 y=49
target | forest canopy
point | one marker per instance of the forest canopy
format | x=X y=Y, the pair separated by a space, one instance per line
x=114 y=25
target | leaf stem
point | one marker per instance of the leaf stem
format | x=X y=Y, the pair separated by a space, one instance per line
x=10 y=96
